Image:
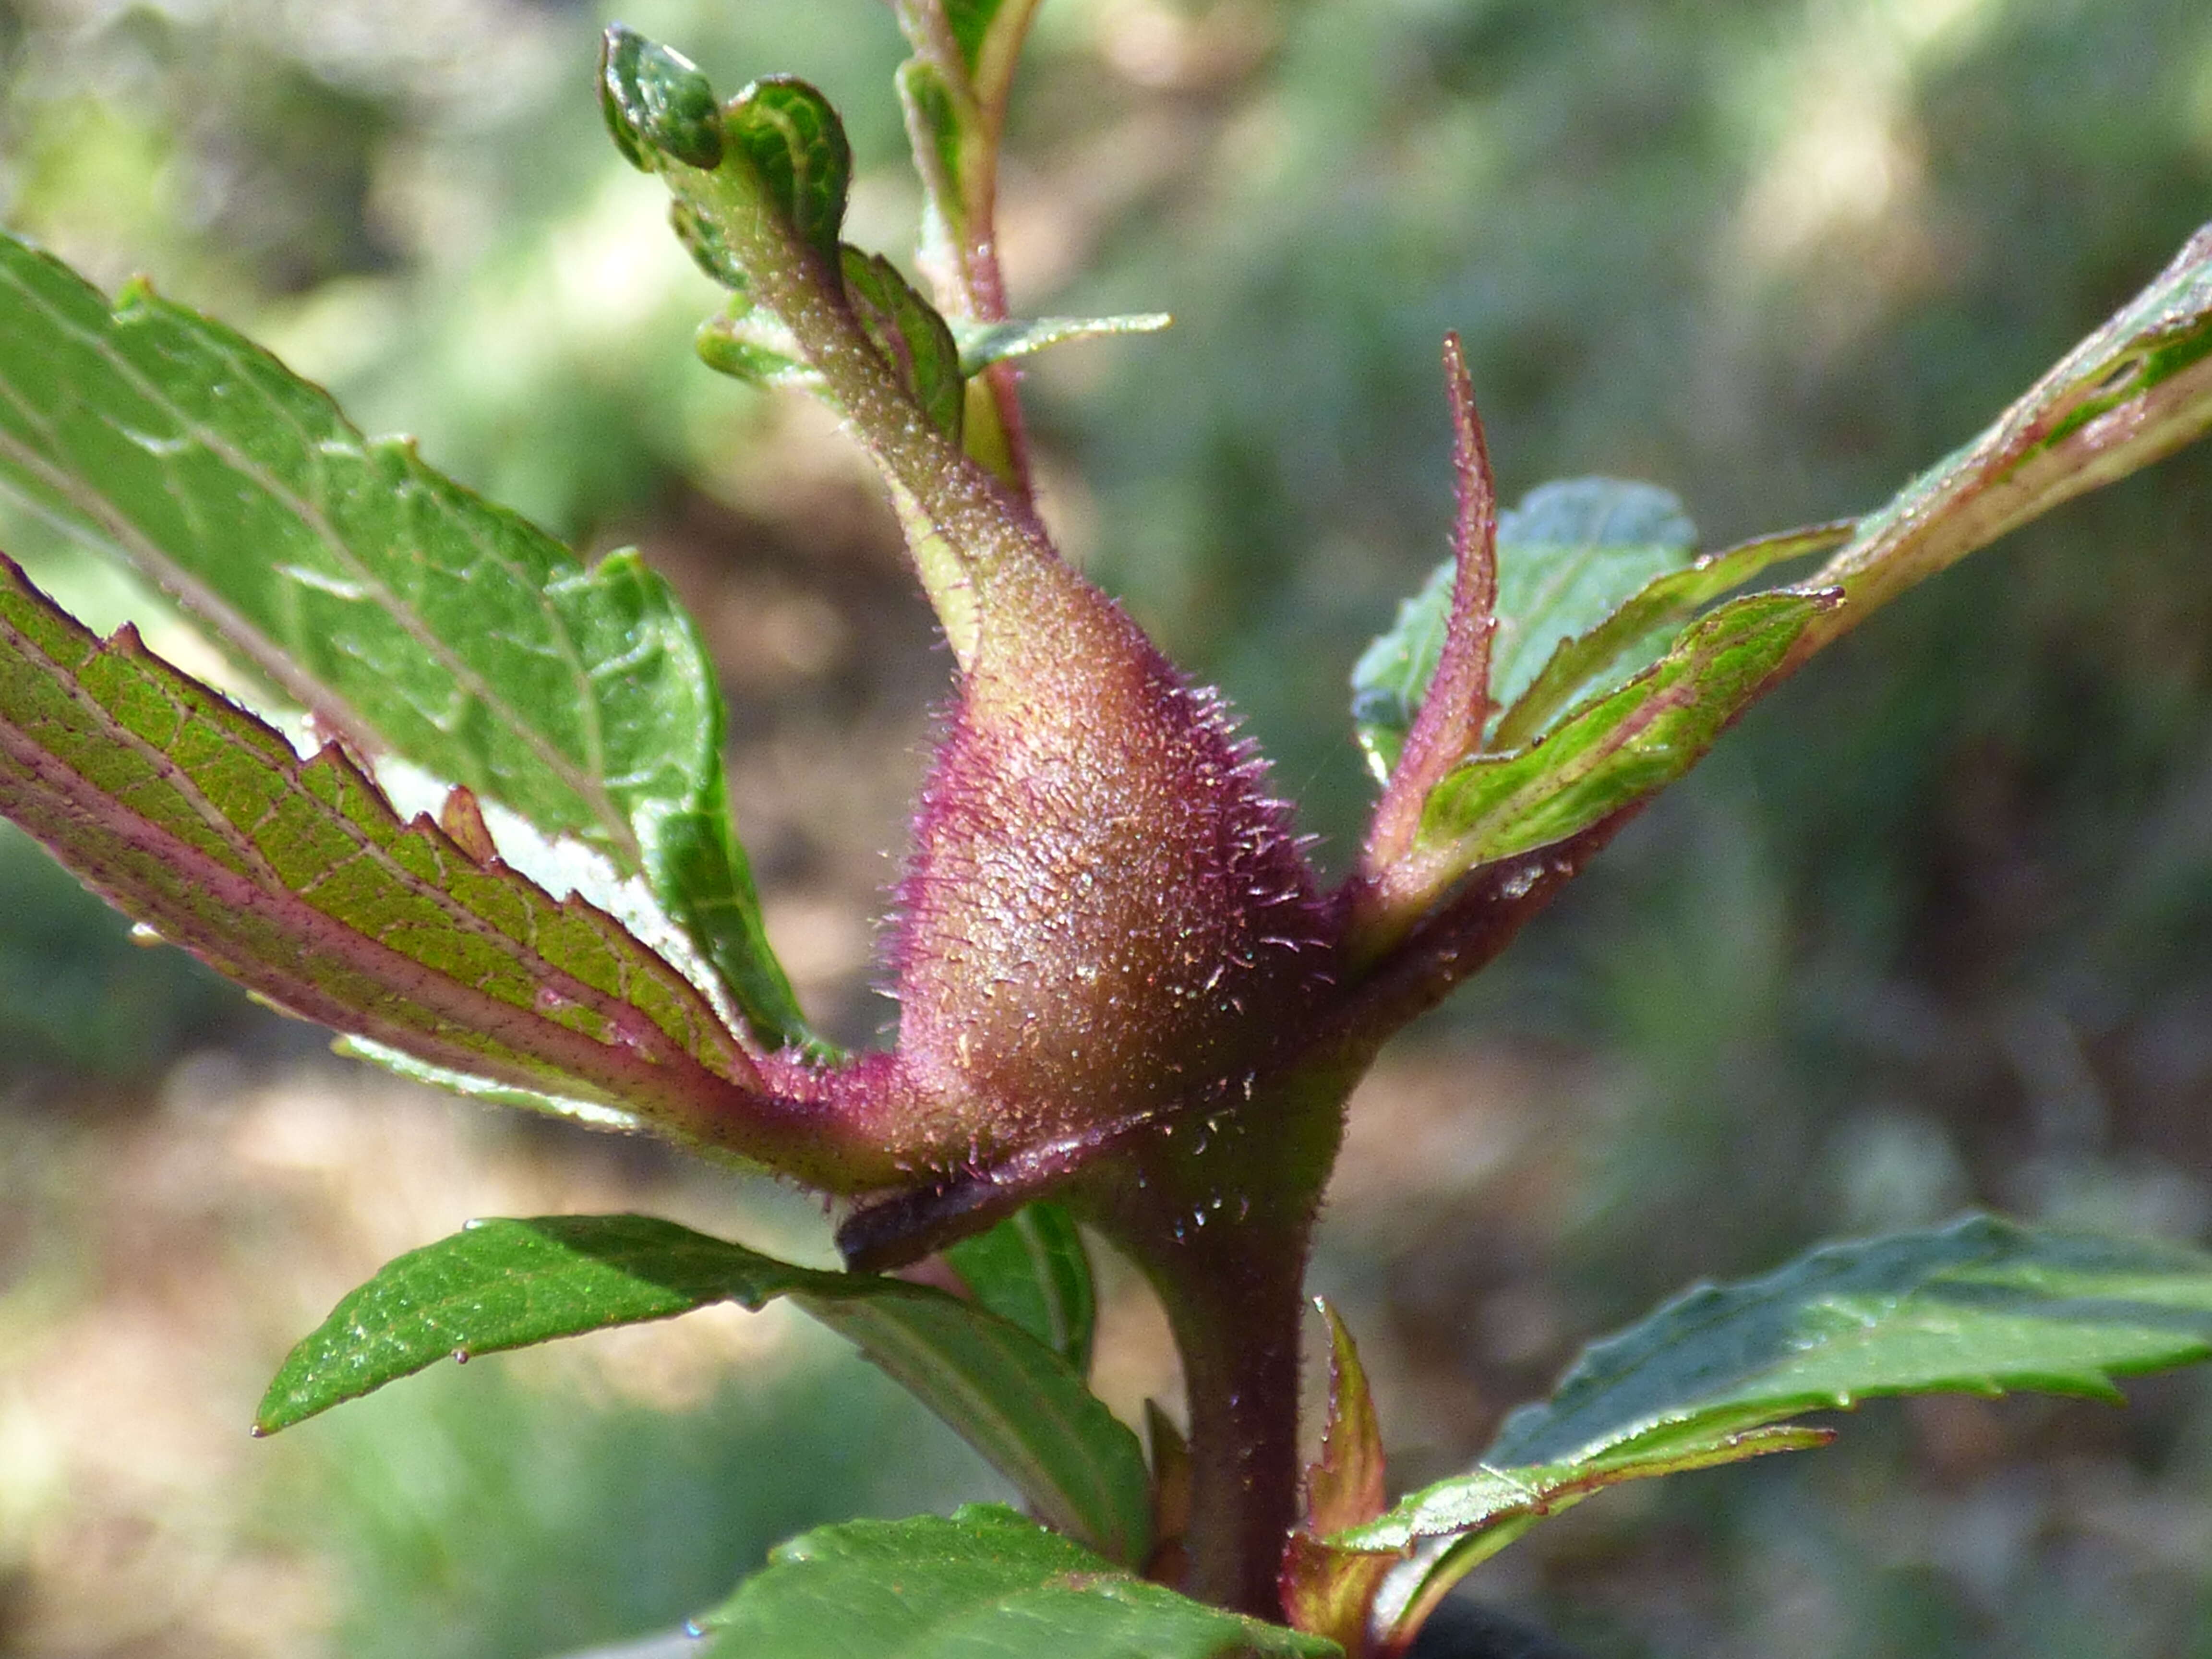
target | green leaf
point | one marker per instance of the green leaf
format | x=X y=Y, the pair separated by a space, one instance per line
x=503 y=1285
x=655 y=98
x=1568 y=556
x=294 y=877
x=748 y=342
x=1983 y=1306
x=794 y=143
x=406 y=613
x=913 y=338
x=1980 y=1307
x=2137 y=389
x=1328 y=1588
x=984 y=1583
x=1032 y=1270
x=982 y=344
x=1490 y=1509
x=1644 y=626
x=1620 y=748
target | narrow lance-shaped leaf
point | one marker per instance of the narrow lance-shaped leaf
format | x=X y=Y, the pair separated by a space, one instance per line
x=2137 y=389
x=1617 y=750
x=296 y=878
x=984 y=343
x=1032 y=1269
x=1570 y=554
x=1981 y=1307
x=954 y=90
x=982 y=1583
x=403 y=611
x=1327 y=1590
x=1485 y=1512
x=1645 y=624
x=1455 y=701
x=507 y=1284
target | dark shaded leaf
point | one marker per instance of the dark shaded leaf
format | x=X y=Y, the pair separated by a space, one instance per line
x=984 y=1583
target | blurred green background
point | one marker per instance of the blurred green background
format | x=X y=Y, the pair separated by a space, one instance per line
x=1934 y=927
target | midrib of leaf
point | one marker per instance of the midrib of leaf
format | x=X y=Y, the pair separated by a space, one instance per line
x=611 y=822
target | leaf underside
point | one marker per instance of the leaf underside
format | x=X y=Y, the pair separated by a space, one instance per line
x=507 y=1284
x=1033 y=1270
x=982 y=1583
x=294 y=877
x=403 y=612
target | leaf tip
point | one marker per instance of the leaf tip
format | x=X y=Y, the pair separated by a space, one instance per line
x=656 y=99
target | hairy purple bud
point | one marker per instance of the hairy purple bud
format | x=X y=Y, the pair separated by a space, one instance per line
x=1105 y=917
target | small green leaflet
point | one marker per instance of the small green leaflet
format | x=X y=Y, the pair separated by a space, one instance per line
x=507 y=1284
x=1568 y=556
x=653 y=96
x=982 y=1583
x=795 y=145
x=294 y=877
x=1032 y=1269
x=1621 y=747
x=909 y=336
x=1982 y=1306
x=2137 y=389
x=1489 y=1509
x=1644 y=624
x=403 y=611
x=982 y=344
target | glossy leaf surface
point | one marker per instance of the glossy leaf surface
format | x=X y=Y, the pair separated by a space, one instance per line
x=1032 y=1269
x=983 y=1583
x=507 y=1284
x=795 y=145
x=403 y=611
x=295 y=878
x=1983 y=1306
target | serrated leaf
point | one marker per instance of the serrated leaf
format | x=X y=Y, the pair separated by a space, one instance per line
x=407 y=613
x=1568 y=556
x=983 y=1583
x=295 y=878
x=2138 y=388
x=507 y=1284
x=1325 y=1588
x=1982 y=1306
x=794 y=143
x=1032 y=1270
x=982 y=344
x=1618 y=749
x=912 y=337
x=1632 y=635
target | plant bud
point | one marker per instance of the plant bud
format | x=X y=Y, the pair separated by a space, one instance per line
x=1104 y=917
